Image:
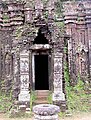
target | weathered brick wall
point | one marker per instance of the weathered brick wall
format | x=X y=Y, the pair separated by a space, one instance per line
x=19 y=17
x=6 y=59
x=78 y=21
x=11 y=15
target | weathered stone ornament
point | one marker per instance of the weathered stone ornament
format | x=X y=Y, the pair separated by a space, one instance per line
x=46 y=112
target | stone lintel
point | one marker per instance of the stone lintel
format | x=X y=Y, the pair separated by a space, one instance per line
x=40 y=47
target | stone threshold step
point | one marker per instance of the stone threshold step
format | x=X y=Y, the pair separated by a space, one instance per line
x=40 y=102
x=41 y=97
x=42 y=91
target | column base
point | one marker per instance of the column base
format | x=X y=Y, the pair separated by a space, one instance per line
x=24 y=101
x=59 y=100
x=24 y=96
x=58 y=96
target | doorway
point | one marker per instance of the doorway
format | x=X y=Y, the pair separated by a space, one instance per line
x=41 y=72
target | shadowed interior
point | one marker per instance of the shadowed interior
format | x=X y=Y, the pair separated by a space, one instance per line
x=40 y=39
x=41 y=72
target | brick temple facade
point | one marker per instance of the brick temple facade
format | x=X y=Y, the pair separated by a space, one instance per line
x=33 y=34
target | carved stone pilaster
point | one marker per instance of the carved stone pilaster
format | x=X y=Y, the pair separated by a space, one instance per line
x=58 y=95
x=24 y=95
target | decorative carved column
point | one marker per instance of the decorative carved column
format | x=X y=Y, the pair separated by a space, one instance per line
x=24 y=96
x=58 y=94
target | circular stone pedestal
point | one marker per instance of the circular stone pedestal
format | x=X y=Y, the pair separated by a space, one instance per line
x=46 y=112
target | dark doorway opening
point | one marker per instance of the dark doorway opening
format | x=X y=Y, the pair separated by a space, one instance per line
x=41 y=72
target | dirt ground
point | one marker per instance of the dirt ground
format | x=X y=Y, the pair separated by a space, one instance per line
x=79 y=116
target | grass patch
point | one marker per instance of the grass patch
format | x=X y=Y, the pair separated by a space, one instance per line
x=49 y=98
x=5 y=102
x=77 y=99
x=32 y=99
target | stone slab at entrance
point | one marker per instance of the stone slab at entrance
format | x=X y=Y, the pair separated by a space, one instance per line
x=41 y=97
x=46 y=112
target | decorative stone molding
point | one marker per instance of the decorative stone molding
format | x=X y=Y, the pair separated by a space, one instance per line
x=41 y=47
